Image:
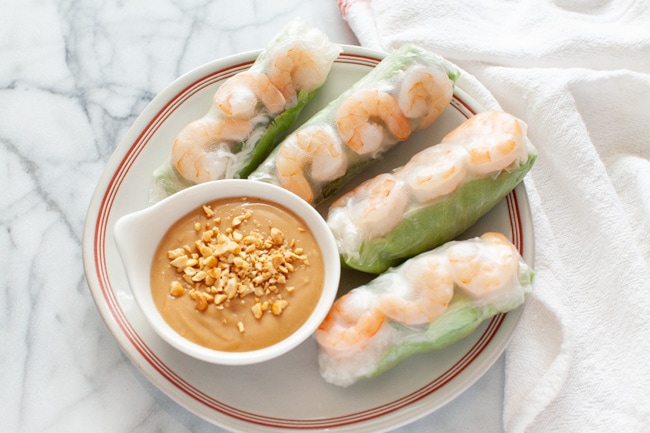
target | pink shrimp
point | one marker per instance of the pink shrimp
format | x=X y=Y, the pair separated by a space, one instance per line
x=484 y=266
x=351 y=322
x=377 y=204
x=312 y=152
x=297 y=67
x=364 y=118
x=241 y=96
x=493 y=139
x=425 y=93
x=434 y=172
x=195 y=150
x=426 y=294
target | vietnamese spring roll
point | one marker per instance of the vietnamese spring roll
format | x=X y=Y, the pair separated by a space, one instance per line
x=407 y=90
x=251 y=111
x=441 y=192
x=428 y=302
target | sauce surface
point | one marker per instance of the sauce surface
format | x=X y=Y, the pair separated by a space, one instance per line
x=271 y=300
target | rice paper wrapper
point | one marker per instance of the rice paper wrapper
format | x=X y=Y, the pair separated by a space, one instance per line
x=415 y=225
x=470 y=304
x=316 y=176
x=237 y=159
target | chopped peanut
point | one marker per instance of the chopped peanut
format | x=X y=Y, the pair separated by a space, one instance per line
x=179 y=262
x=257 y=310
x=208 y=211
x=172 y=254
x=176 y=289
x=277 y=236
x=228 y=264
x=201 y=301
x=278 y=306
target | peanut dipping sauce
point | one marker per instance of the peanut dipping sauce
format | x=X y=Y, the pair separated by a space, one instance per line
x=256 y=274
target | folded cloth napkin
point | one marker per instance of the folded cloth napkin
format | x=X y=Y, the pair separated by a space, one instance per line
x=578 y=72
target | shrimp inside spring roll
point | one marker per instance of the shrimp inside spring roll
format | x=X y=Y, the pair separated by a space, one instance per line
x=250 y=112
x=439 y=193
x=408 y=90
x=430 y=301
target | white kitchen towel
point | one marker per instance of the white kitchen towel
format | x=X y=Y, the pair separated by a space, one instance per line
x=578 y=72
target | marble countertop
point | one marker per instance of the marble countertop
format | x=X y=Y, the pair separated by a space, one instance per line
x=74 y=75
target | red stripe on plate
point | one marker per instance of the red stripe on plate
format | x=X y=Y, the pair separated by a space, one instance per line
x=515 y=221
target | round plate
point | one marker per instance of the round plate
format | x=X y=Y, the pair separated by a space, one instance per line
x=286 y=393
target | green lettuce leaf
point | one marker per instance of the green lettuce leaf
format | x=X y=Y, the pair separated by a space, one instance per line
x=277 y=130
x=430 y=226
x=461 y=319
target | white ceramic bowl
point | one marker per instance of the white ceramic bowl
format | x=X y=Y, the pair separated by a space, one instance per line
x=137 y=236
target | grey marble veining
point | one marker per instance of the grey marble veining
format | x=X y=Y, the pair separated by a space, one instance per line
x=74 y=75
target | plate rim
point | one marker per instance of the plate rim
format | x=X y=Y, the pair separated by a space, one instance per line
x=157 y=375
